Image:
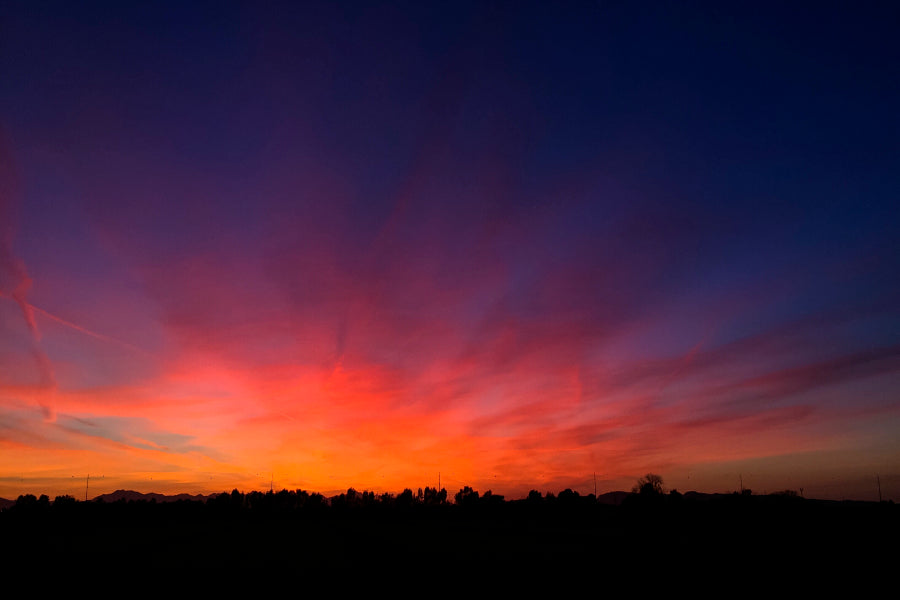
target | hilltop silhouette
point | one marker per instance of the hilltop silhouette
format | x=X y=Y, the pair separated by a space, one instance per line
x=130 y=495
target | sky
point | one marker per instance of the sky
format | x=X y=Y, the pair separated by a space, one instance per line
x=509 y=245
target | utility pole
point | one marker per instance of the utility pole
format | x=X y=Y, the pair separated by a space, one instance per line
x=86 y=484
x=595 y=484
x=878 y=479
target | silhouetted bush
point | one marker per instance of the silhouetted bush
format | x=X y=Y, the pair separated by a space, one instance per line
x=649 y=485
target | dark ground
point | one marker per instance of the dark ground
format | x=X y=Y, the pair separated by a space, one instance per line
x=732 y=545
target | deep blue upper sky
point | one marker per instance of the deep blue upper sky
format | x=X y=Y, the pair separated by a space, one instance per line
x=757 y=120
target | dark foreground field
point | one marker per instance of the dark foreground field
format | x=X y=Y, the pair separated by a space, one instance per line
x=731 y=545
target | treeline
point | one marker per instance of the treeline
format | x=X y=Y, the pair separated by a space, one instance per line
x=467 y=534
x=643 y=496
x=301 y=500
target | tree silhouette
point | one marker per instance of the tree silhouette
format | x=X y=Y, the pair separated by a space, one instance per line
x=649 y=485
x=466 y=496
x=64 y=502
x=434 y=497
x=26 y=502
x=490 y=498
x=568 y=496
x=405 y=498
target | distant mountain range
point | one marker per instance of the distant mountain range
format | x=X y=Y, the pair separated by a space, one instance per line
x=130 y=495
x=612 y=498
x=137 y=496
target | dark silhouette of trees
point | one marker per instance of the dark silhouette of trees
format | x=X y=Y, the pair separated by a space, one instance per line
x=405 y=499
x=63 y=501
x=568 y=496
x=29 y=503
x=368 y=533
x=471 y=498
x=648 y=498
x=26 y=501
x=64 y=504
x=649 y=485
x=491 y=499
x=349 y=499
x=353 y=499
x=466 y=497
x=434 y=497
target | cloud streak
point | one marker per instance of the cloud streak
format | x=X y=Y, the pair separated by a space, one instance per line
x=14 y=279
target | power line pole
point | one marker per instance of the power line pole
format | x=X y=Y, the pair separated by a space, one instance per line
x=86 y=484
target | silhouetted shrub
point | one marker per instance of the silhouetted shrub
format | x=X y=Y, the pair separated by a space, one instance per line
x=649 y=485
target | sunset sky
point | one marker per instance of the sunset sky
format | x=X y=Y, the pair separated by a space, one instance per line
x=511 y=245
